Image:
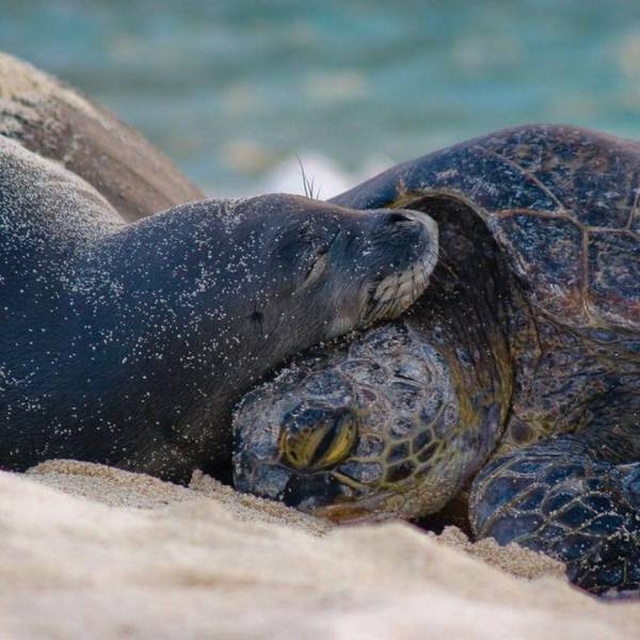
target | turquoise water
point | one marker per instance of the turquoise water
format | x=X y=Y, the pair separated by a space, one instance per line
x=232 y=89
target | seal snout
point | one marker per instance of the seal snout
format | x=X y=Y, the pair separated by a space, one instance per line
x=409 y=250
x=401 y=216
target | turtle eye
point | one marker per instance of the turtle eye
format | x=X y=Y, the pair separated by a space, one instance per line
x=315 y=439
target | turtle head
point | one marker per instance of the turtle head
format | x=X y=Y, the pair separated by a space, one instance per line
x=382 y=427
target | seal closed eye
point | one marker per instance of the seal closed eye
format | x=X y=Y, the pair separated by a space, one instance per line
x=129 y=343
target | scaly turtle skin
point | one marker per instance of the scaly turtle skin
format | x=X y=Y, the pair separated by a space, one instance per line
x=516 y=376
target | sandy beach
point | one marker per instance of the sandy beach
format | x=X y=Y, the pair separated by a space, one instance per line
x=92 y=551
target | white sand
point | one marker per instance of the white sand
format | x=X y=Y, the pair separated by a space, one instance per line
x=92 y=552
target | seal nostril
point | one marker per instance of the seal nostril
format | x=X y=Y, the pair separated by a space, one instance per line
x=399 y=217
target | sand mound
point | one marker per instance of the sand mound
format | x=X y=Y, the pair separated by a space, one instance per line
x=91 y=551
x=57 y=122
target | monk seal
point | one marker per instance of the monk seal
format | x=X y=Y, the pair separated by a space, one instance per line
x=129 y=343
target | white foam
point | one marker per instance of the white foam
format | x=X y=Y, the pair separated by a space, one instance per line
x=320 y=174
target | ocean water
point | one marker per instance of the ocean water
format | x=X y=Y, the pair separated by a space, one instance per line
x=235 y=90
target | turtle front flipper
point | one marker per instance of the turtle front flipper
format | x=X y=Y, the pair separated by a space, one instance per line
x=563 y=498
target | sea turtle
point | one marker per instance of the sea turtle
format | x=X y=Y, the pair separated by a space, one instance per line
x=515 y=377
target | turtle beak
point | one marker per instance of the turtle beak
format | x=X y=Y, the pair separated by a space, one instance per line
x=311 y=492
x=343 y=513
x=377 y=508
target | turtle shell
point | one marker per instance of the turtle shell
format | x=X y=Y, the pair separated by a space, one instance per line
x=562 y=202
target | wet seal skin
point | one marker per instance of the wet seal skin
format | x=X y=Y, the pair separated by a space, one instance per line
x=129 y=343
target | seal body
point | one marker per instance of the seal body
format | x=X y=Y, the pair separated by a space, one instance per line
x=514 y=381
x=128 y=344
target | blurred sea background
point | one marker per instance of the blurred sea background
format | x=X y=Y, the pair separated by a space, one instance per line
x=235 y=90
